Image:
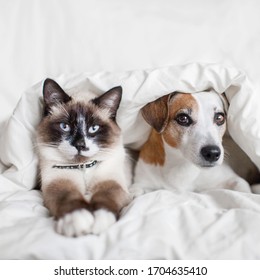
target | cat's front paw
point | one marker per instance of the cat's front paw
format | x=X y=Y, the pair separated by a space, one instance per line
x=76 y=223
x=103 y=220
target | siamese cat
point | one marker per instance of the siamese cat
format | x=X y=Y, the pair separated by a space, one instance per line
x=82 y=162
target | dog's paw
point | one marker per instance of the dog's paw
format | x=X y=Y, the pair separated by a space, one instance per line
x=238 y=184
x=76 y=223
x=103 y=219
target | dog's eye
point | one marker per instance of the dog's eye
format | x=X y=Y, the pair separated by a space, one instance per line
x=219 y=118
x=184 y=119
x=65 y=127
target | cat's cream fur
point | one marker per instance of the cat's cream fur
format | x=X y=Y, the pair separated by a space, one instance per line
x=86 y=200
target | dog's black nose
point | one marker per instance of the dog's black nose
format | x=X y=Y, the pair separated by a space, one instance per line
x=210 y=153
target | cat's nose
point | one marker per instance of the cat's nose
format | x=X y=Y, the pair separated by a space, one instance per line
x=80 y=145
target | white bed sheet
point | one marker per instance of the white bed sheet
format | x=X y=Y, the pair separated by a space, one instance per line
x=42 y=39
x=220 y=224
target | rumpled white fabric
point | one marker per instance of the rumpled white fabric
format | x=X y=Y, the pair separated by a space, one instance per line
x=216 y=224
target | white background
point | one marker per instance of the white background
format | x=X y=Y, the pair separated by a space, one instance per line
x=41 y=38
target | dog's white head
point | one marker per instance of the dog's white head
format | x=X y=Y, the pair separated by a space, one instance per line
x=193 y=123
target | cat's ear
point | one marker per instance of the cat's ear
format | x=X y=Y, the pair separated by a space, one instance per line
x=53 y=94
x=110 y=100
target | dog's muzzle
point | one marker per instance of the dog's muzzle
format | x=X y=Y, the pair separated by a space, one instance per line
x=210 y=153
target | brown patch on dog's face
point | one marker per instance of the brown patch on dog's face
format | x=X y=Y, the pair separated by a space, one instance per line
x=182 y=110
x=161 y=115
x=152 y=151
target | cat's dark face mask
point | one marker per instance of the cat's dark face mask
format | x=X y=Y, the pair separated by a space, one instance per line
x=79 y=130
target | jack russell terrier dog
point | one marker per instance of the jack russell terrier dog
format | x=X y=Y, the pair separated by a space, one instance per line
x=184 y=150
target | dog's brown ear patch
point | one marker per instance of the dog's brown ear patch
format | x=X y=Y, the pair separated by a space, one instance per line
x=156 y=113
x=152 y=151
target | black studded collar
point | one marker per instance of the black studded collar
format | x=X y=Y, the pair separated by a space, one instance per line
x=76 y=166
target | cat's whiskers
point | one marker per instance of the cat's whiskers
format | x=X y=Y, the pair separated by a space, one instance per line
x=108 y=152
x=49 y=145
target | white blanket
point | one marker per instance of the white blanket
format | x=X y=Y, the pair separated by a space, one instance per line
x=218 y=224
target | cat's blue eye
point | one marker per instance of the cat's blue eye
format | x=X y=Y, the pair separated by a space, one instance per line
x=65 y=127
x=93 y=129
